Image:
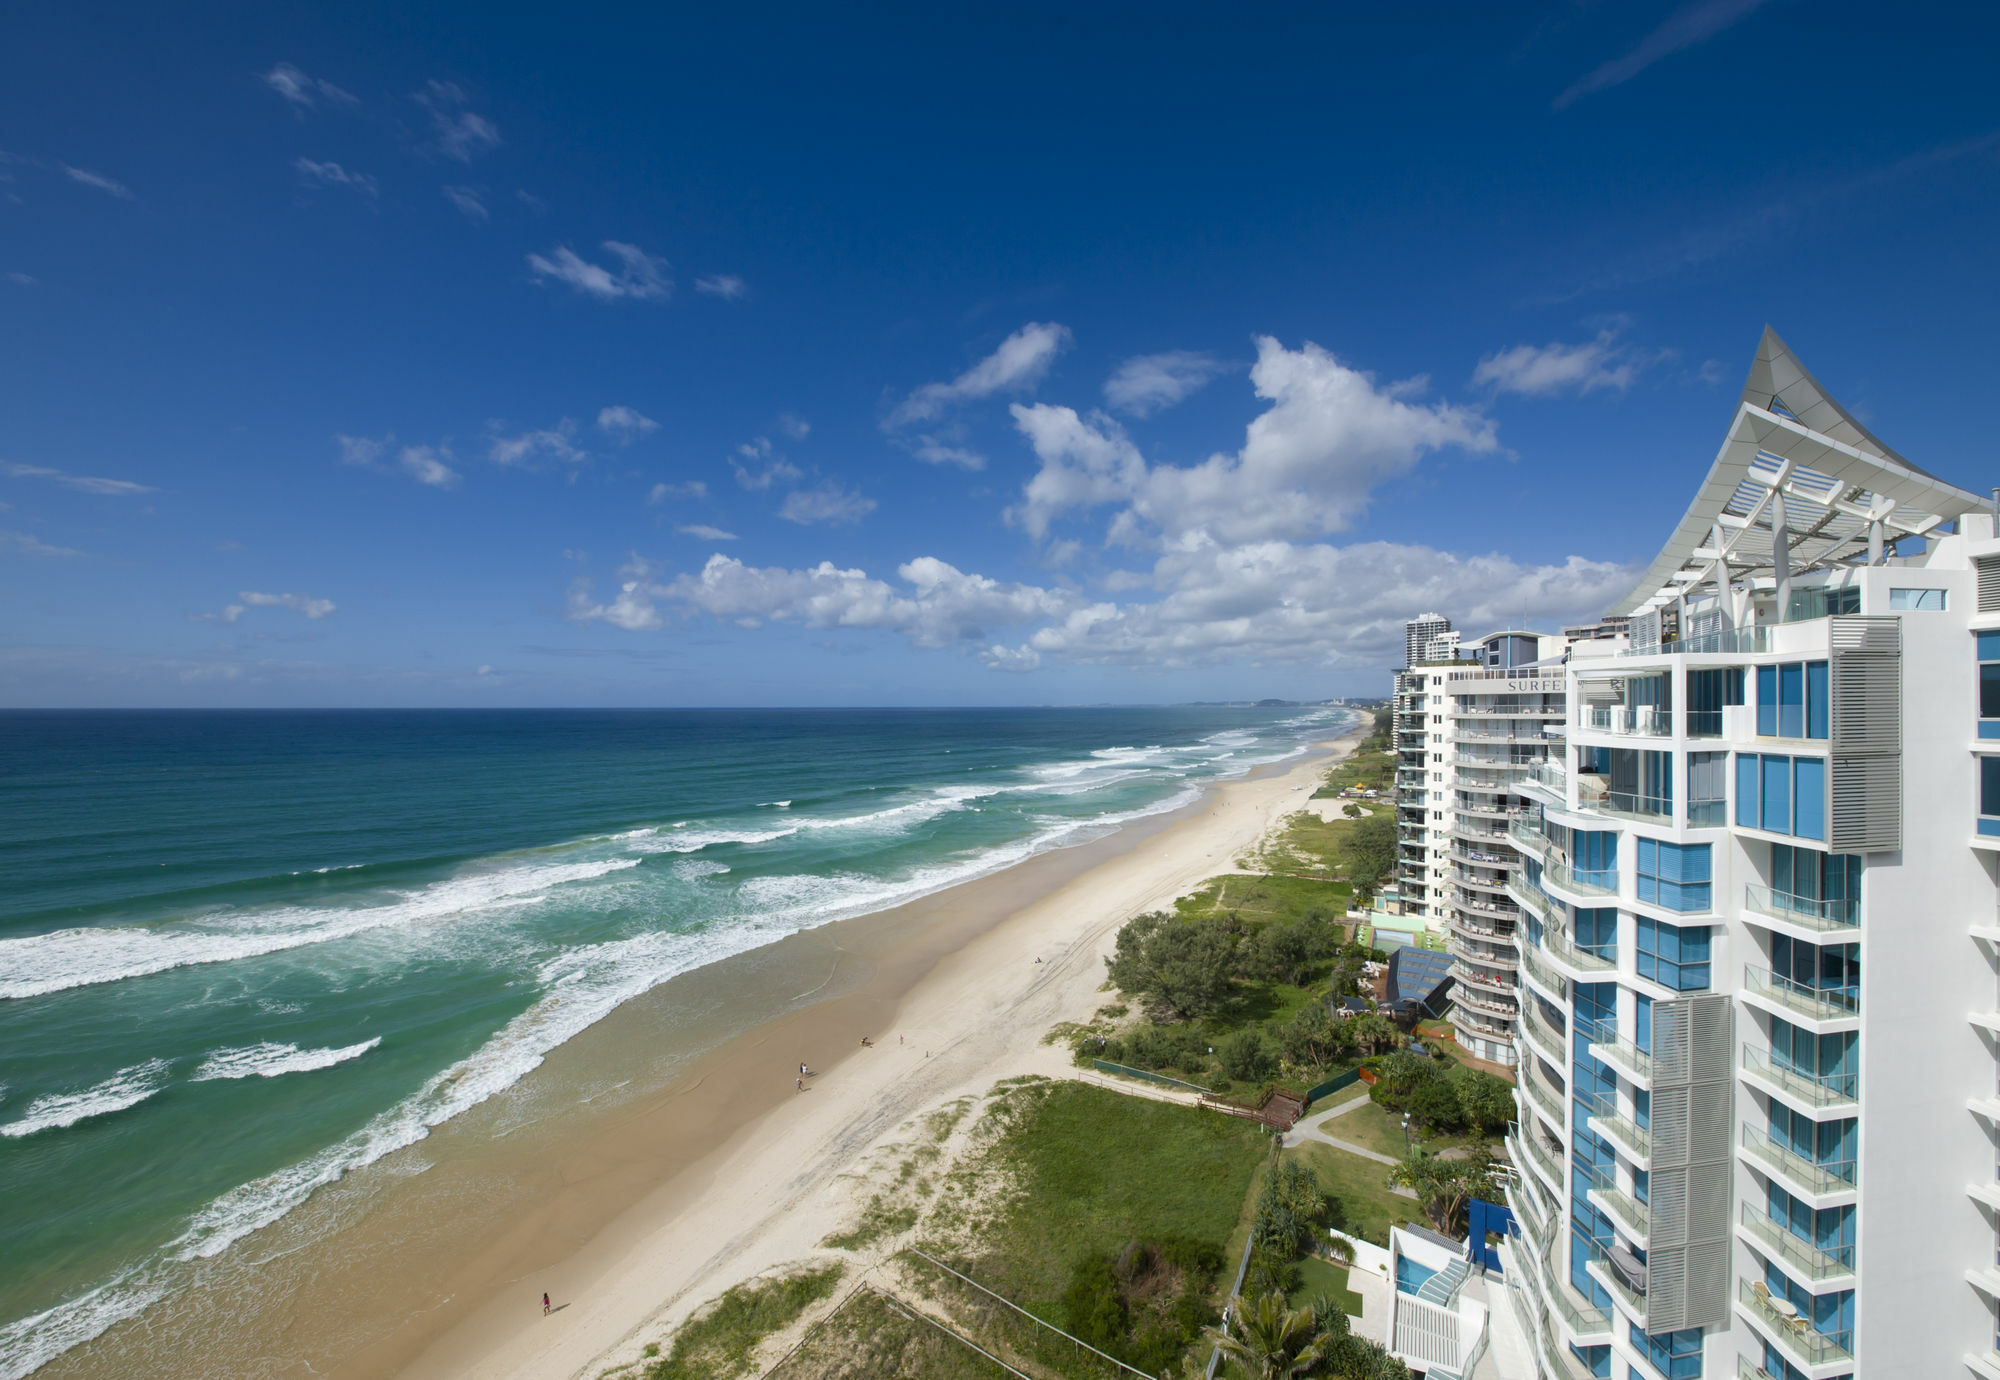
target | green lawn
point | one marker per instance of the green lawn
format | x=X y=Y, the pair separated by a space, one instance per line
x=1379 y=1129
x=1363 y=1189
x=1320 y=1276
x=1256 y=897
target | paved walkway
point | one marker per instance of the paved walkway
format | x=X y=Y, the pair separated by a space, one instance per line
x=1314 y=1126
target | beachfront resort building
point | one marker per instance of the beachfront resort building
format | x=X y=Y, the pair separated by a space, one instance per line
x=1758 y=1089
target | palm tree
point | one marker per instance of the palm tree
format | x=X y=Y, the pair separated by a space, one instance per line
x=1445 y=1188
x=1273 y=1341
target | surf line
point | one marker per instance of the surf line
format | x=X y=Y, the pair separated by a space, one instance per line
x=840 y=953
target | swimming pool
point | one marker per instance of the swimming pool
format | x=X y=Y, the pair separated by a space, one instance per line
x=1410 y=1276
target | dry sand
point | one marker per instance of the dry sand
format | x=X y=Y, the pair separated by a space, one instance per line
x=746 y=1173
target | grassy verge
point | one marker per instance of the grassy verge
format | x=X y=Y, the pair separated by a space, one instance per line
x=716 y=1343
x=1362 y=1186
x=1318 y=1276
x=1258 y=897
x=867 y=1339
x=1379 y=1129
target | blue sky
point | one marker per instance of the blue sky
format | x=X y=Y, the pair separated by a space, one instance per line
x=885 y=355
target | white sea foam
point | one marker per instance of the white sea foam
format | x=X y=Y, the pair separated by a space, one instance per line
x=681 y=838
x=694 y=869
x=269 y=1060
x=125 y=1088
x=62 y=959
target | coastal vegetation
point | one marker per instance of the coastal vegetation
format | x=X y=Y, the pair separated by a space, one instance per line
x=717 y=1343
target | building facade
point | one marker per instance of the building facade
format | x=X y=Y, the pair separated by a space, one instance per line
x=1758 y=1091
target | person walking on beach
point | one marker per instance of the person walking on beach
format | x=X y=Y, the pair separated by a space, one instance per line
x=802 y=1084
x=545 y=1303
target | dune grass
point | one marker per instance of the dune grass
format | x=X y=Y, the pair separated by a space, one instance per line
x=716 y=1344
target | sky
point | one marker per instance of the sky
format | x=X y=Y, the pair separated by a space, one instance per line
x=436 y=355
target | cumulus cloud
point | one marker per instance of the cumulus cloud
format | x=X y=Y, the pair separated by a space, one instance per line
x=638 y=276
x=83 y=483
x=1307 y=465
x=1019 y=364
x=727 y=286
x=1690 y=24
x=468 y=201
x=703 y=532
x=25 y=544
x=1545 y=371
x=625 y=424
x=1145 y=384
x=302 y=92
x=316 y=174
x=99 y=181
x=458 y=133
x=825 y=502
x=530 y=448
x=250 y=599
x=635 y=607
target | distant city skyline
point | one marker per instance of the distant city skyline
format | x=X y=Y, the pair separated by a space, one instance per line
x=899 y=357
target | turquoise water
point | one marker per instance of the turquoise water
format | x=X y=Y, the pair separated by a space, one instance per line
x=243 y=954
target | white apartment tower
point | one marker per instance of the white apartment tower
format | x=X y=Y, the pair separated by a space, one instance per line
x=1419 y=633
x=1758 y=1089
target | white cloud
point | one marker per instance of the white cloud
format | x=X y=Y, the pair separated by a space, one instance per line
x=1020 y=362
x=775 y=470
x=99 y=181
x=727 y=286
x=664 y=493
x=303 y=92
x=702 y=531
x=460 y=133
x=427 y=465
x=1147 y=383
x=26 y=545
x=468 y=201
x=316 y=174
x=1548 y=370
x=625 y=424
x=1307 y=465
x=550 y=443
x=365 y=451
x=84 y=483
x=1685 y=27
x=20 y=279
x=639 y=276
x=634 y=608
x=299 y=603
x=825 y=502
x=933 y=451
x=798 y=428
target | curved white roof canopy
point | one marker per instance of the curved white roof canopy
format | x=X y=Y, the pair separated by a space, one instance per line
x=1791 y=443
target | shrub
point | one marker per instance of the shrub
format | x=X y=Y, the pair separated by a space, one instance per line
x=1093 y=1308
x=1245 y=1056
x=1186 y=966
x=1433 y=1103
x=1314 y=1039
x=1487 y=1101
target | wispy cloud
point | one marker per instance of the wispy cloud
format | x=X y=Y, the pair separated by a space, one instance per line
x=703 y=532
x=302 y=92
x=1145 y=384
x=772 y=468
x=22 y=544
x=727 y=286
x=20 y=279
x=428 y=465
x=458 y=133
x=85 y=483
x=313 y=173
x=1692 y=23
x=639 y=276
x=468 y=202
x=667 y=493
x=1544 y=371
x=530 y=447
x=99 y=181
x=299 y=603
x=826 y=502
x=625 y=424
x=1018 y=364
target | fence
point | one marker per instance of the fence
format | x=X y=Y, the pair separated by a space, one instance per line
x=1333 y=1085
x=1106 y=1066
x=1079 y=1343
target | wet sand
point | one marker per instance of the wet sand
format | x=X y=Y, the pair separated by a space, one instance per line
x=665 y=1154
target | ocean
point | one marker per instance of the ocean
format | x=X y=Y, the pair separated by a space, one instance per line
x=245 y=954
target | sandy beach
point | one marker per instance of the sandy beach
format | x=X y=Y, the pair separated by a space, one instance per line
x=751 y=1178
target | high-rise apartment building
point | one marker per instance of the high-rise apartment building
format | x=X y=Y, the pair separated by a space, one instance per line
x=1419 y=633
x=1758 y=1090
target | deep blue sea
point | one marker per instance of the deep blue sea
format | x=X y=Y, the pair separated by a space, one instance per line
x=243 y=954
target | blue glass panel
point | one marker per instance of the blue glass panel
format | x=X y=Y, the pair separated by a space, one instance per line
x=1767 y=701
x=1989 y=728
x=1815 y=699
x=1989 y=646
x=1777 y=792
x=1746 y=789
x=1791 y=700
x=1809 y=791
x=1989 y=786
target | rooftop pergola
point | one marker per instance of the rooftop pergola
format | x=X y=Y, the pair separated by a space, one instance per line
x=1798 y=485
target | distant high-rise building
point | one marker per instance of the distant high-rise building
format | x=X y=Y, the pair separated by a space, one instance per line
x=1418 y=634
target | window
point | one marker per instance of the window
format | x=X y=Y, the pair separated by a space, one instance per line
x=1989 y=794
x=1924 y=600
x=1830 y=1229
x=1988 y=644
x=1816 y=883
x=1675 y=956
x=1707 y=792
x=1597 y=932
x=1674 y=875
x=1642 y=1022
x=1594 y=858
x=1828 y=1060
x=1783 y=795
x=1596 y=1359
x=1791 y=700
x=1828 y=1144
x=1707 y=692
x=1676 y=1355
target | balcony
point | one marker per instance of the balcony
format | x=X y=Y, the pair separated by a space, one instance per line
x=1627 y=1292
x=1481 y=857
x=1482 y=905
x=1548 y=1101
x=1594 y=797
x=1548 y=779
x=1644 y=720
x=1731 y=643
x=1485 y=1004
x=1799 y=1174
x=1629 y=1214
x=1488 y=1027
x=1614 y=1049
x=1591 y=886
x=1799 y=912
x=1461 y=948
x=1803 y=1260
x=1583 y=962
x=1794 y=1335
x=1635 y=1140
x=1707 y=814
x=1818 y=1091
x=1491 y=931
x=1543 y=1159
x=1547 y=1043
x=1795 y=999
x=1527 y=838
x=1552 y=982
x=1484 y=979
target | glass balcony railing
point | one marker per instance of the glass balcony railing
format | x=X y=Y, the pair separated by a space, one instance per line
x=1541 y=1154
x=1550 y=776
x=1542 y=973
x=1619 y=1205
x=1605 y=1117
x=1525 y=836
x=1807 y=912
x=1707 y=814
x=1607 y=1044
x=1796 y=1335
x=1736 y=640
x=1593 y=795
x=1644 y=720
x=1704 y=723
x=1539 y=1030
x=1803 y=1256
x=1817 y=1090
x=1796 y=1170
x=1545 y=1099
x=1595 y=883
x=1816 y=1003
x=1564 y=950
